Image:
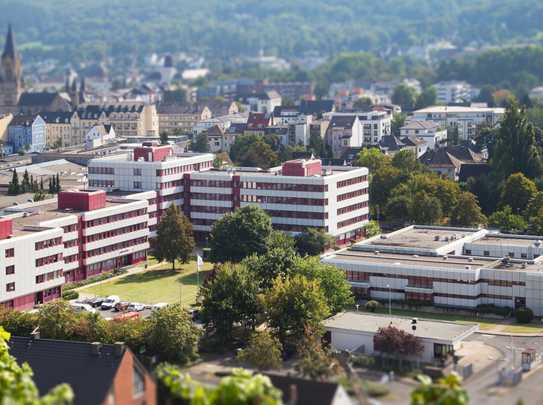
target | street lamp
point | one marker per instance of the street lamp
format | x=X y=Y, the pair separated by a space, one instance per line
x=389 y=300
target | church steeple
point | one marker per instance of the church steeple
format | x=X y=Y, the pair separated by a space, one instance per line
x=9 y=47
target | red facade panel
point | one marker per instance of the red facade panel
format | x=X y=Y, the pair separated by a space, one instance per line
x=152 y=153
x=6 y=227
x=24 y=302
x=302 y=168
x=82 y=200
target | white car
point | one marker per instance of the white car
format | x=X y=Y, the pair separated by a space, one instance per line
x=109 y=302
x=159 y=306
x=80 y=307
x=136 y=306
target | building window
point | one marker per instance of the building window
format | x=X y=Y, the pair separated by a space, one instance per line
x=10 y=252
x=138 y=387
x=10 y=287
x=137 y=172
x=468 y=251
x=137 y=184
x=10 y=270
x=486 y=253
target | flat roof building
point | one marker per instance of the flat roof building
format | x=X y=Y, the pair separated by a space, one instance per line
x=446 y=266
x=355 y=331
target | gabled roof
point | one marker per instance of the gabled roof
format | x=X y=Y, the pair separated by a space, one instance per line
x=473 y=170
x=390 y=142
x=97 y=109
x=343 y=121
x=42 y=98
x=412 y=141
x=180 y=108
x=420 y=125
x=56 y=117
x=308 y=392
x=215 y=130
x=257 y=120
x=310 y=107
x=57 y=361
x=236 y=128
x=279 y=110
x=24 y=120
x=439 y=158
x=465 y=154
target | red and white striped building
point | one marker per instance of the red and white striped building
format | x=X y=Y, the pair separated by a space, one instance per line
x=297 y=195
x=82 y=234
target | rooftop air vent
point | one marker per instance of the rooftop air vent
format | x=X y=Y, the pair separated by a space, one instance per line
x=445 y=257
x=467 y=267
x=436 y=238
x=470 y=259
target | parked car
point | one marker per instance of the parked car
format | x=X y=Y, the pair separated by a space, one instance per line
x=96 y=301
x=121 y=306
x=136 y=306
x=79 y=307
x=126 y=316
x=159 y=305
x=109 y=302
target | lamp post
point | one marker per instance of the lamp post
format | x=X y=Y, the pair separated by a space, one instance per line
x=389 y=300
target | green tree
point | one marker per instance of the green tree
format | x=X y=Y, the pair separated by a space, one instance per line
x=447 y=390
x=406 y=161
x=517 y=192
x=535 y=225
x=316 y=145
x=14 y=187
x=453 y=135
x=313 y=241
x=516 y=150
x=201 y=143
x=507 y=221
x=164 y=138
x=372 y=305
x=240 y=234
x=242 y=388
x=254 y=150
x=292 y=305
x=58 y=187
x=25 y=183
x=427 y=98
x=363 y=104
x=398 y=121
x=398 y=208
x=277 y=261
x=57 y=321
x=174 y=240
x=467 y=211
x=314 y=361
x=171 y=335
x=534 y=206
x=228 y=298
x=425 y=209
x=332 y=282
x=264 y=351
x=372 y=228
x=17 y=386
x=404 y=96
x=373 y=159
x=39 y=196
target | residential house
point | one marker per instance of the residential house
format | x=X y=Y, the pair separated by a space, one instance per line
x=298 y=124
x=97 y=373
x=317 y=107
x=264 y=102
x=35 y=102
x=219 y=108
x=181 y=118
x=99 y=135
x=448 y=161
x=429 y=131
x=27 y=133
x=292 y=91
x=257 y=122
x=216 y=139
x=58 y=128
x=300 y=391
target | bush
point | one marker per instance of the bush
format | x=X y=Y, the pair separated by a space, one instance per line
x=363 y=361
x=70 y=295
x=372 y=305
x=493 y=309
x=524 y=315
x=374 y=389
x=91 y=280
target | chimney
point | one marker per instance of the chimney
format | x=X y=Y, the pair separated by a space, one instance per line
x=96 y=347
x=118 y=349
x=293 y=395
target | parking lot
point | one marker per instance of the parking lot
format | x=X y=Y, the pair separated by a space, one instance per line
x=117 y=312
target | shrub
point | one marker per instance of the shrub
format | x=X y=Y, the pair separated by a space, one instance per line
x=70 y=295
x=372 y=305
x=493 y=309
x=363 y=361
x=374 y=389
x=524 y=315
x=91 y=280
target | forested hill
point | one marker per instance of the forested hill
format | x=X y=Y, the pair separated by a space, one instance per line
x=84 y=28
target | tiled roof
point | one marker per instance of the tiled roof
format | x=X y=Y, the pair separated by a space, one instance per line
x=344 y=121
x=42 y=98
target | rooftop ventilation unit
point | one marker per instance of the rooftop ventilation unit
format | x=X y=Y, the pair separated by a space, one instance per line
x=436 y=238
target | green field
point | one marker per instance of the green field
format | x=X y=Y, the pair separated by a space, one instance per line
x=489 y=325
x=161 y=284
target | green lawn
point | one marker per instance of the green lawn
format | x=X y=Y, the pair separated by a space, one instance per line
x=160 y=284
x=484 y=324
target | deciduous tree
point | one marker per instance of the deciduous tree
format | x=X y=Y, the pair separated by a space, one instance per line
x=517 y=192
x=313 y=242
x=467 y=211
x=174 y=240
x=264 y=351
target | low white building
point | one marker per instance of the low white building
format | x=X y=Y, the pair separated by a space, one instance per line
x=430 y=132
x=355 y=331
x=99 y=135
x=454 y=92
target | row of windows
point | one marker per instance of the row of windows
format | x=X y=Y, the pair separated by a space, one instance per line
x=70 y=228
x=96 y=268
x=352 y=221
x=321 y=202
x=315 y=188
x=211 y=196
x=427 y=282
x=71 y=243
x=298 y=214
x=171 y=184
x=116 y=246
x=115 y=232
x=351 y=208
x=101 y=170
x=48 y=276
x=211 y=183
x=182 y=169
x=172 y=197
x=71 y=258
x=44 y=244
x=116 y=217
x=211 y=209
x=101 y=183
x=352 y=194
x=43 y=261
x=350 y=182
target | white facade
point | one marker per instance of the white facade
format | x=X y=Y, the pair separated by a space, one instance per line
x=453 y=92
x=467 y=119
x=430 y=132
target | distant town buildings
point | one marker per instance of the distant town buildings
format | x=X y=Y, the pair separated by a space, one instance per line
x=455 y=92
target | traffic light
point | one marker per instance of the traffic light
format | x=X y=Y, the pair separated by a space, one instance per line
x=414 y=324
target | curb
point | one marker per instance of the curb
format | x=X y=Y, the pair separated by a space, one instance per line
x=483 y=332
